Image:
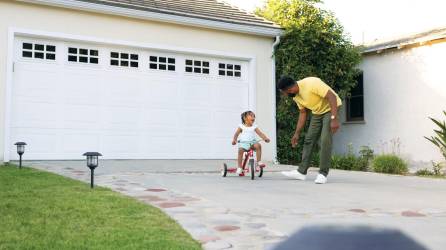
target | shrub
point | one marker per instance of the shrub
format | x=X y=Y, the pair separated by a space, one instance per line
x=390 y=164
x=436 y=170
x=348 y=162
x=366 y=153
x=424 y=172
x=440 y=139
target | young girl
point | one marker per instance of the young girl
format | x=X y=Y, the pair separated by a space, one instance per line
x=246 y=135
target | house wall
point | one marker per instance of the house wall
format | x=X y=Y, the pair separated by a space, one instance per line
x=402 y=88
x=81 y=23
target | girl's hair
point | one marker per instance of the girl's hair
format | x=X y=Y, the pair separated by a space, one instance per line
x=245 y=114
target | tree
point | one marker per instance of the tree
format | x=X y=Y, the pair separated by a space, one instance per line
x=314 y=44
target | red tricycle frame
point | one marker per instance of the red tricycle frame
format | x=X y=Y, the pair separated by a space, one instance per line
x=248 y=157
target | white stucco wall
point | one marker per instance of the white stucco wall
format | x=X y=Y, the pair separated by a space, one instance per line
x=80 y=23
x=402 y=88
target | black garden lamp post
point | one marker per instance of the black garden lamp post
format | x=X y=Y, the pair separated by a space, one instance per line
x=20 y=151
x=92 y=163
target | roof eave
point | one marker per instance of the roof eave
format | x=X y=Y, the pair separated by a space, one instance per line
x=401 y=45
x=161 y=17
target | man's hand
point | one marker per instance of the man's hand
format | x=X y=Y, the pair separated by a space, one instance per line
x=267 y=140
x=294 y=140
x=234 y=142
x=334 y=125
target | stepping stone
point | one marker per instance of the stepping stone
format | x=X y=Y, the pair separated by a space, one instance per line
x=357 y=210
x=171 y=204
x=412 y=214
x=186 y=199
x=150 y=198
x=226 y=228
x=156 y=190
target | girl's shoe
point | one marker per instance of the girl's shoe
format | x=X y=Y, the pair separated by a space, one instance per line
x=239 y=171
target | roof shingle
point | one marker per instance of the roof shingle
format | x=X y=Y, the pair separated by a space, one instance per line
x=203 y=9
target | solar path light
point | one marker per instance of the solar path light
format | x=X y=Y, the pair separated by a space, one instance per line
x=20 y=151
x=92 y=163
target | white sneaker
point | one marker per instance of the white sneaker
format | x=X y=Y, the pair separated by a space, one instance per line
x=294 y=174
x=320 y=179
x=239 y=171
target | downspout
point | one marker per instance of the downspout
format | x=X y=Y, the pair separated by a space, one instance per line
x=273 y=81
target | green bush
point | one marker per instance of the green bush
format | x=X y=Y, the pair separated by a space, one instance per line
x=436 y=170
x=366 y=153
x=390 y=164
x=349 y=162
x=439 y=139
x=424 y=172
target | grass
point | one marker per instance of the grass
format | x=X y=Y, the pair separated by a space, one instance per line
x=40 y=210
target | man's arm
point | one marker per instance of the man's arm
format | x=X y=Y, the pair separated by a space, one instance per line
x=331 y=98
x=299 y=126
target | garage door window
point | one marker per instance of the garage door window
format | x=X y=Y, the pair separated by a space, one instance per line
x=124 y=59
x=39 y=51
x=196 y=66
x=82 y=55
x=233 y=70
x=162 y=63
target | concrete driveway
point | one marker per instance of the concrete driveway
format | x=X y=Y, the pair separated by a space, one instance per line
x=238 y=213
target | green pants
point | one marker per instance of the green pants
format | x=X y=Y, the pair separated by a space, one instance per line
x=319 y=129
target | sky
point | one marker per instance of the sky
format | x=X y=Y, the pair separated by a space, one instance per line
x=369 y=20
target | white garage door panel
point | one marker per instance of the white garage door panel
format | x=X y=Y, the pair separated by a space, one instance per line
x=81 y=89
x=120 y=144
x=232 y=97
x=161 y=147
x=31 y=114
x=77 y=142
x=81 y=117
x=226 y=122
x=36 y=86
x=161 y=95
x=63 y=109
x=196 y=146
x=45 y=141
x=159 y=118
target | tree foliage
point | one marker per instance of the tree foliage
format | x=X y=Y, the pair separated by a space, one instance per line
x=314 y=44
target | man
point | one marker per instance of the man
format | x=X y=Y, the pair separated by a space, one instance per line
x=313 y=94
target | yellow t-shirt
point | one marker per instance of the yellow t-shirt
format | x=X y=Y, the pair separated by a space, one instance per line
x=312 y=92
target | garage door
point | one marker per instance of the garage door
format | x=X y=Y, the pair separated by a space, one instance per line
x=127 y=103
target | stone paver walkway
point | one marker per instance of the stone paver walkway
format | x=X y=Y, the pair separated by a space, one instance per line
x=237 y=213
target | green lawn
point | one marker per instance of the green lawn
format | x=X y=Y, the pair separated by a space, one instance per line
x=40 y=210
